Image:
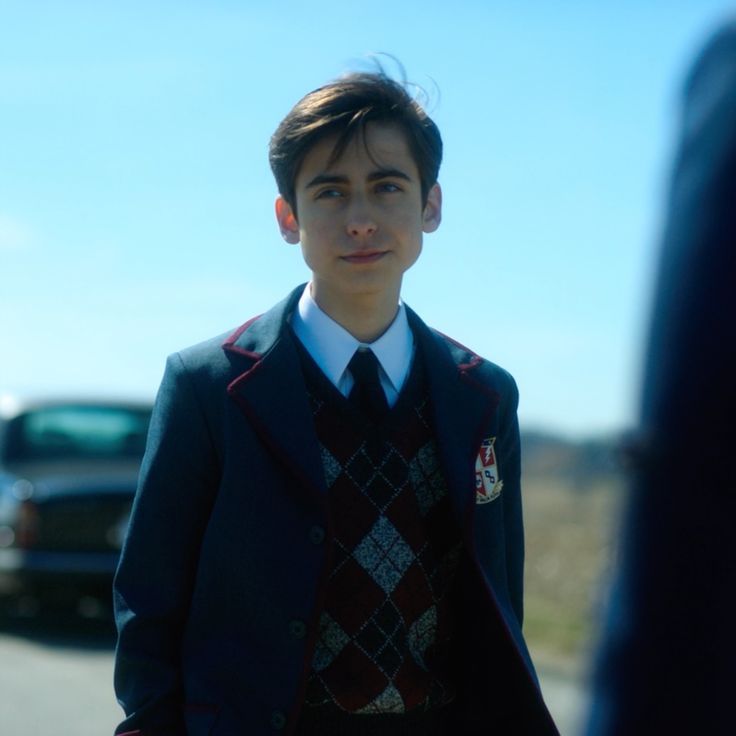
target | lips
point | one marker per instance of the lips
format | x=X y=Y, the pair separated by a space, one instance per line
x=366 y=257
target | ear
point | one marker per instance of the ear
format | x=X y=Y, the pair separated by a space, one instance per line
x=432 y=216
x=288 y=225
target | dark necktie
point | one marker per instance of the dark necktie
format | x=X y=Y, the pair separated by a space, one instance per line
x=367 y=394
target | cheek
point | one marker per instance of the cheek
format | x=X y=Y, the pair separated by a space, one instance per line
x=309 y=254
x=313 y=228
x=415 y=251
x=410 y=227
x=315 y=244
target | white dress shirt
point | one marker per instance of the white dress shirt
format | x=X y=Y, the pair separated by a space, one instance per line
x=332 y=346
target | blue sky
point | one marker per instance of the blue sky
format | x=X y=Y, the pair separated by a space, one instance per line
x=136 y=202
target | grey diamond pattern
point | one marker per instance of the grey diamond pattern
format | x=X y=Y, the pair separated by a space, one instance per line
x=422 y=635
x=331 y=641
x=384 y=554
x=331 y=466
x=404 y=486
x=389 y=701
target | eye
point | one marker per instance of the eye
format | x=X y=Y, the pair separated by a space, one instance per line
x=388 y=187
x=329 y=193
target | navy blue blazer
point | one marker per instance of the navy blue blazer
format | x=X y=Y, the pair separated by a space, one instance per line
x=223 y=572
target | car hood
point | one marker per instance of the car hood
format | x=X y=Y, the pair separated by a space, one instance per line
x=78 y=478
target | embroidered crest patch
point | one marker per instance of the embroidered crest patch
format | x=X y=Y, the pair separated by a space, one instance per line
x=487 y=483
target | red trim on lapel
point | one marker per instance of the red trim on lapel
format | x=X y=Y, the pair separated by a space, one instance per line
x=230 y=345
x=246 y=374
x=275 y=449
x=266 y=433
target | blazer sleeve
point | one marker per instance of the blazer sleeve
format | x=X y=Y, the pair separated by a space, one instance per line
x=155 y=577
x=510 y=454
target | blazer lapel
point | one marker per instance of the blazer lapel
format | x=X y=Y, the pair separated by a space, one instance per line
x=272 y=393
x=463 y=407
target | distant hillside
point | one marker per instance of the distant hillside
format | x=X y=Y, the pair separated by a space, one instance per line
x=575 y=461
x=573 y=493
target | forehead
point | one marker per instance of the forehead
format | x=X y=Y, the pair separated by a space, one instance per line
x=377 y=146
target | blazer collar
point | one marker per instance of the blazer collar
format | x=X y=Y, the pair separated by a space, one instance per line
x=257 y=336
x=272 y=393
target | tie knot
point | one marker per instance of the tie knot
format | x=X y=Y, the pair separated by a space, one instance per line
x=364 y=366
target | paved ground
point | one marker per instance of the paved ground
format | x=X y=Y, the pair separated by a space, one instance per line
x=56 y=677
x=566 y=699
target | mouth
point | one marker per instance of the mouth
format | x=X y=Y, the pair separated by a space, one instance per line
x=365 y=257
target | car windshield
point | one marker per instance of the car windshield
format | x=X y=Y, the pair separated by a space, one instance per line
x=77 y=432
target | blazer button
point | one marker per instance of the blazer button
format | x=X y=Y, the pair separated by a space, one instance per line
x=316 y=534
x=278 y=720
x=298 y=629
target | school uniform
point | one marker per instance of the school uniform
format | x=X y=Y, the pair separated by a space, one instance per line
x=231 y=587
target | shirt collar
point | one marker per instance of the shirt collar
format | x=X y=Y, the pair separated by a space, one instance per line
x=331 y=345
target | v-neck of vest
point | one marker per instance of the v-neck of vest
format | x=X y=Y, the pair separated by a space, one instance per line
x=410 y=391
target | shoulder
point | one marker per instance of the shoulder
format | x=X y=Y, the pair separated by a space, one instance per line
x=475 y=368
x=470 y=365
x=469 y=360
x=212 y=365
x=230 y=353
x=204 y=360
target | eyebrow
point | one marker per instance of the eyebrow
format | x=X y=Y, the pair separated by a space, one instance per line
x=321 y=179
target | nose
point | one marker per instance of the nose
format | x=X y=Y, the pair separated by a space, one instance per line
x=360 y=220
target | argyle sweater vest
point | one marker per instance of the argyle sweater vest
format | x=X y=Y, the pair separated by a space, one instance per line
x=386 y=630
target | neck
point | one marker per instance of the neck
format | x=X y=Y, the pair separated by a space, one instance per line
x=365 y=316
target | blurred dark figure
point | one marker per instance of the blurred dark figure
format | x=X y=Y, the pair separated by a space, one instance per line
x=668 y=661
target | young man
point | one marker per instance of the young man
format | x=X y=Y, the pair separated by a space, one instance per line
x=327 y=537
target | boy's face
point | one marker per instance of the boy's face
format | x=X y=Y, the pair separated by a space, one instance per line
x=360 y=220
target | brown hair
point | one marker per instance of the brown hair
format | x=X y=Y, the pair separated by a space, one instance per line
x=343 y=108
